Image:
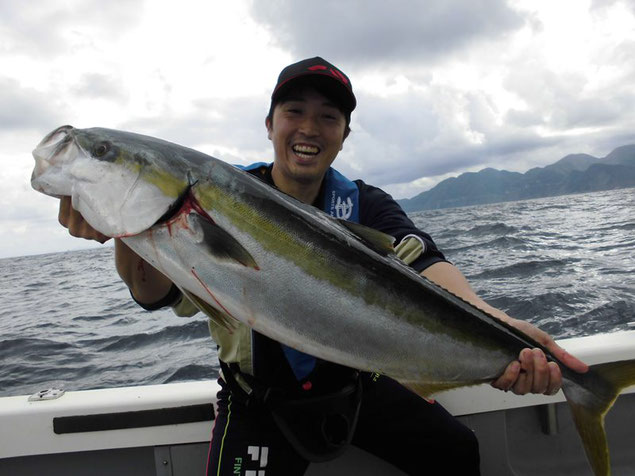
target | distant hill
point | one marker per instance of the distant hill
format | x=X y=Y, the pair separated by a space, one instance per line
x=575 y=173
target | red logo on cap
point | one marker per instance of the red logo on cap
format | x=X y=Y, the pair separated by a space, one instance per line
x=334 y=72
x=339 y=75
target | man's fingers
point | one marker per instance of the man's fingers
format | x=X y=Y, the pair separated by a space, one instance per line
x=541 y=372
x=526 y=377
x=555 y=378
x=548 y=342
x=77 y=226
x=532 y=373
x=567 y=359
x=101 y=238
x=70 y=218
x=506 y=381
x=65 y=208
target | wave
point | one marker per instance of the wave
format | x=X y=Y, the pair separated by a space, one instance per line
x=193 y=372
x=502 y=243
x=192 y=330
x=26 y=348
x=552 y=207
x=548 y=310
x=96 y=317
x=491 y=229
x=525 y=268
x=617 y=226
x=565 y=264
x=613 y=246
x=611 y=316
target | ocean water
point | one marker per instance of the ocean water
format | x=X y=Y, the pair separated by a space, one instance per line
x=566 y=264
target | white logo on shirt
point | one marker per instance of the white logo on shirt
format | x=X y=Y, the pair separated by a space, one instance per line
x=343 y=210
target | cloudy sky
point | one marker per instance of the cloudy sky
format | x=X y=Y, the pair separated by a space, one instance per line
x=443 y=86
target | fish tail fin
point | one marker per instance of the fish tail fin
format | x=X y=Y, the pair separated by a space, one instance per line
x=589 y=404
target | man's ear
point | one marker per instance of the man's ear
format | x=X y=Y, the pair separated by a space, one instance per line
x=346 y=132
x=268 y=126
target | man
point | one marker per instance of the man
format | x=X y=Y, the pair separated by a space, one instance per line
x=283 y=408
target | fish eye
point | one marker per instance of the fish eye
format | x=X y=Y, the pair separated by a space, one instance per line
x=101 y=149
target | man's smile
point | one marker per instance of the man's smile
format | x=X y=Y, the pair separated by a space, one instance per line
x=305 y=151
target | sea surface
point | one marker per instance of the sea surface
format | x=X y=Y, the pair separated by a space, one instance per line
x=566 y=264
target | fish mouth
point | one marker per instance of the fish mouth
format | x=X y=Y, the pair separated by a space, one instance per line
x=55 y=136
x=57 y=147
x=53 y=143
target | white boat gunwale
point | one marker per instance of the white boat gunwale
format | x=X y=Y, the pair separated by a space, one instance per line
x=32 y=422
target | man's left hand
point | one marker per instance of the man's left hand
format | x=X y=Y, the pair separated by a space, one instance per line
x=532 y=373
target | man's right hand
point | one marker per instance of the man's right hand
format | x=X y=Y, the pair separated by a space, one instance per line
x=146 y=283
x=77 y=226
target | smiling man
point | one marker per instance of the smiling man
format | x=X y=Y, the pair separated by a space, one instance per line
x=322 y=406
x=307 y=124
x=279 y=408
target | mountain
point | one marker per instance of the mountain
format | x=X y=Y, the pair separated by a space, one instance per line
x=575 y=173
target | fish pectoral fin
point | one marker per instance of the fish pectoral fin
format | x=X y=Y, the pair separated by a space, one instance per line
x=221 y=244
x=375 y=240
x=219 y=317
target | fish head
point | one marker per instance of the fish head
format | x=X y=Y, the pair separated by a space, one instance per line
x=122 y=183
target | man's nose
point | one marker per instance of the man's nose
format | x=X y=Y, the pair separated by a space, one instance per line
x=309 y=126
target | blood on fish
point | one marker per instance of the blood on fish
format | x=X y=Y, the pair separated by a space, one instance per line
x=211 y=294
x=179 y=219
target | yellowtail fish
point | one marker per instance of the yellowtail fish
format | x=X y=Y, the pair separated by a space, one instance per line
x=245 y=252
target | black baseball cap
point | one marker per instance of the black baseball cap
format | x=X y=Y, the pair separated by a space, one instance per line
x=320 y=70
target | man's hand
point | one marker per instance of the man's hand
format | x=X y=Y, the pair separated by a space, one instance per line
x=146 y=283
x=531 y=373
x=77 y=226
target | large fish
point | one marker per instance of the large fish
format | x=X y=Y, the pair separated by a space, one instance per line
x=243 y=251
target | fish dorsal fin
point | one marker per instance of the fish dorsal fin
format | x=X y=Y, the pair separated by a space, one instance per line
x=219 y=317
x=221 y=244
x=375 y=240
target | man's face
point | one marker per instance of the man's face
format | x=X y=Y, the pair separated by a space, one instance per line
x=307 y=132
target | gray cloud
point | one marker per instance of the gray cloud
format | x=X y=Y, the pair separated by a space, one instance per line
x=418 y=134
x=232 y=123
x=42 y=29
x=97 y=85
x=359 y=31
x=25 y=108
x=562 y=101
x=603 y=144
x=401 y=164
x=440 y=130
x=601 y=4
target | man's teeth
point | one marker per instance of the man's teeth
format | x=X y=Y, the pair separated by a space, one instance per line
x=306 y=150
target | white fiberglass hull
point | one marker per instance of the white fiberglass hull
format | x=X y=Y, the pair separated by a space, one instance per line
x=165 y=429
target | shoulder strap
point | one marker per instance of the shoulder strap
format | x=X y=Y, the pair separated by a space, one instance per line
x=341 y=196
x=246 y=389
